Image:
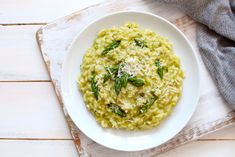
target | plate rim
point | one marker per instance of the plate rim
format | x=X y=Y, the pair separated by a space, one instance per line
x=72 y=43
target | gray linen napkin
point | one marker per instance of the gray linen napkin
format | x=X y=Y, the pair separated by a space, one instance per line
x=215 y=39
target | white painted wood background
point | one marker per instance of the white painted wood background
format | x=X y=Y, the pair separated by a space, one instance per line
x=31 y=120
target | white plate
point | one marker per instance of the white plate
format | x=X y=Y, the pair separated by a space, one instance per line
x=129 y=140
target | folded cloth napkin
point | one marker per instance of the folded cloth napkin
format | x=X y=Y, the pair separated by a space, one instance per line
x=215 y=39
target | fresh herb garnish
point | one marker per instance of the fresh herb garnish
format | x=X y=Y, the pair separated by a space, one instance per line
x=121 y=81
x=148 y=104
x=106 y=77
x=111 y=73
x=117 y=110
x=159 y=69
x=136 y=81
x=94 y=87
x=121 y=77
x=118 y=85
x=125 y=77
x=111 y=46
x=140 y=43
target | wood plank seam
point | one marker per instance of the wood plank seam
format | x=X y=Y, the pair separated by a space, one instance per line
x=231 y=139
x=185 y=136
x=70 y=139
x=36 y=139
x=23 y=24
x=24 y=81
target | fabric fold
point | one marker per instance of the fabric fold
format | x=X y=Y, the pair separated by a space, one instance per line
x=215 y=39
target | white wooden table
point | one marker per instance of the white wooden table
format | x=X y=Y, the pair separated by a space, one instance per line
x=31 y=120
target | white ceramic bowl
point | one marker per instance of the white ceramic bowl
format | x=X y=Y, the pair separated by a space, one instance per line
x=120 y=139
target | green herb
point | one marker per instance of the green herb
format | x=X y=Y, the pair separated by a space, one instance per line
x=159 y=69
x=140 y=43
x=106 y=77
x=111 y=46
x=125 y=77
x=148 y=104
x=118 y=85
x=94 y=87
x=121 y=81
x=136 y=81
x=117 y=110
x=121 y=78
x=111 y=73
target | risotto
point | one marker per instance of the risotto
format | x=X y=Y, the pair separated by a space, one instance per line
x=130 y=78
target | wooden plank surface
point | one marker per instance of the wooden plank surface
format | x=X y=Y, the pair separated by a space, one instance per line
x=31 y=148
x=227 y=133
x=31 y=110
x=194 y=149
x=30 y=114
x=20 y=58
x=39 y=11
x=204 y=149
x=48 y=148
x=56 y=37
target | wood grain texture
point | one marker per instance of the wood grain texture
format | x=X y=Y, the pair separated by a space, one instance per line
x=48 y=148
x=45 y=148
x=206 y=119
x=22 y=38
x=31 y=110
x=20 y=57
x=224 y=134
x=194 y=149
x=203 y=149
x=35 y=11
x=21 y=63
